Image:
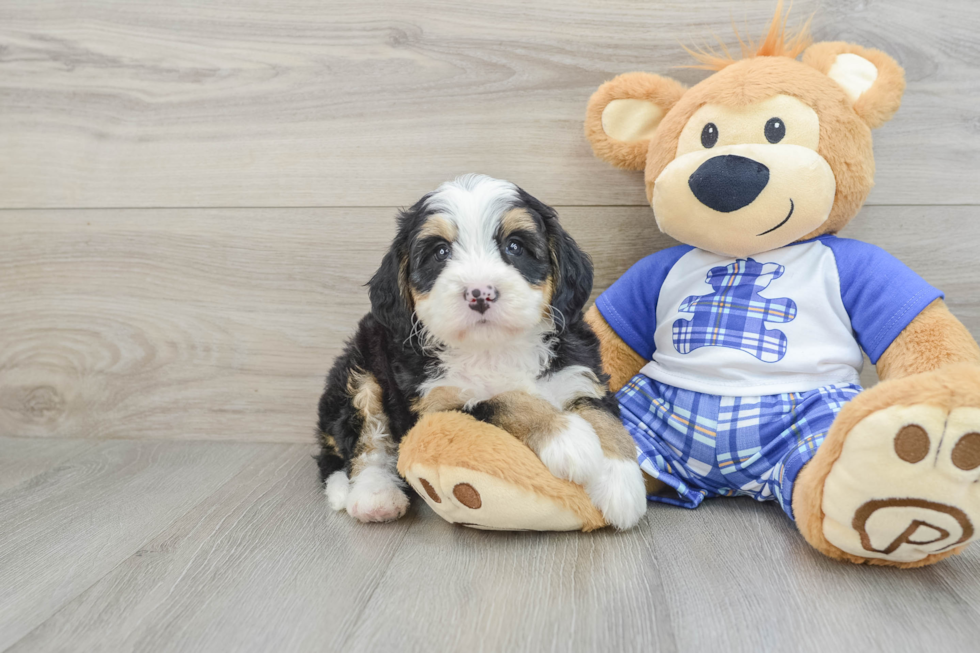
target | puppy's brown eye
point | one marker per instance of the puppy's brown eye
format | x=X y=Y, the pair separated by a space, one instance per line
x=443 y=252
x=514 y=248
x=709 y=135
x=775 y=130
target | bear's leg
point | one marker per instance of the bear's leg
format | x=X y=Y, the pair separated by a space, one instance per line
x=896 y=480
x=475 y=474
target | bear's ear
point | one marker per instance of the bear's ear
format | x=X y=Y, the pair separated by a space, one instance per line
x=623 y=114
x=873 y=81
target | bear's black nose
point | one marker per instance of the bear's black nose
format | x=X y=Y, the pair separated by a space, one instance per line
x=728 y=182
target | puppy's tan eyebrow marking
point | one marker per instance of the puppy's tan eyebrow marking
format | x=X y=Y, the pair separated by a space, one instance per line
x=517 y=220
x=439 y=226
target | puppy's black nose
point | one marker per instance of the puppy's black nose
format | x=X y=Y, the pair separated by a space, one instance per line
x=479 y=305
x=479 y=298
x=728 y=182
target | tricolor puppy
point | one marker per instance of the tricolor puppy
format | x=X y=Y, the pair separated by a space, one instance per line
x=476 y=307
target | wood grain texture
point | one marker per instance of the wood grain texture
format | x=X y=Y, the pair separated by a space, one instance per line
x=80 y=518
x=367 y=102
x=24 y=459
x=263 y=565
x=681 y=581
x=216 y=324
x=221 y=324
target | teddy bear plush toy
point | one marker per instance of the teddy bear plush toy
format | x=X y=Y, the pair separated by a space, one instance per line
x=735 y=355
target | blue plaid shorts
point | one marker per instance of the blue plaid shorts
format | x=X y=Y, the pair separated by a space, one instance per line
x=705 y=445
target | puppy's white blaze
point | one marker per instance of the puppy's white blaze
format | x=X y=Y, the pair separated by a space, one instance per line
x=475 y=203
x=568 y=384
x=575 y=453
x=619 y=493
x=376 y=496
x=337 y=489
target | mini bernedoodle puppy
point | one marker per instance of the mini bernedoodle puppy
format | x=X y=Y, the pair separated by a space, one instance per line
x=476 y=307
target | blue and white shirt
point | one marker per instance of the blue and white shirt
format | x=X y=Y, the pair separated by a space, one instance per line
x=792 y=319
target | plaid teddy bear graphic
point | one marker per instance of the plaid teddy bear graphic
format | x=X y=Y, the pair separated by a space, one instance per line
x=735 y=314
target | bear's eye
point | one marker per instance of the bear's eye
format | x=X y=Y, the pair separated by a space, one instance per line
x=775 y=130
x=709 y=135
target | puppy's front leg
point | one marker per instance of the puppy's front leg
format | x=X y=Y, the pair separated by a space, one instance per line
x=565 y=442
x=373 y=492
x=618 y=489
x=585 y=444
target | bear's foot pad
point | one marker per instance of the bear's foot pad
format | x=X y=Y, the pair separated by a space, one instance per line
x=478 y=500
x=906 y=484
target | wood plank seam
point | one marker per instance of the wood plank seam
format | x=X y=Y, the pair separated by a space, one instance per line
x=359 y=617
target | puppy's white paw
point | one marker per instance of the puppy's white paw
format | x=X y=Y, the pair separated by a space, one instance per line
x=619 y=493
x=575 y=453
x=375 y=496
x=337 y=489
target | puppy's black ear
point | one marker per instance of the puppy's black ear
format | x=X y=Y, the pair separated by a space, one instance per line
x=573 y=276
x=387 y=290
x=572 y=268
x=391 y=303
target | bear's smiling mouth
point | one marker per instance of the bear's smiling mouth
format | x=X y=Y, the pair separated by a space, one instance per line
x=785 y=220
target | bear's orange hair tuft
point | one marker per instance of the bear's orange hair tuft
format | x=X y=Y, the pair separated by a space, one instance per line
x=776 y=43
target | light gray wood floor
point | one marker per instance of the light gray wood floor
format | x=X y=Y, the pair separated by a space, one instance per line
x=194 y=546
x=191 y=196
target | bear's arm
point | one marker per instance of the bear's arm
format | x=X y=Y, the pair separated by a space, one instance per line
x=934 y=339
x=619 y=361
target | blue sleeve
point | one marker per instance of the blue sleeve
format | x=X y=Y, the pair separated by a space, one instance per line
x=880 y=293
x=630 y=304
